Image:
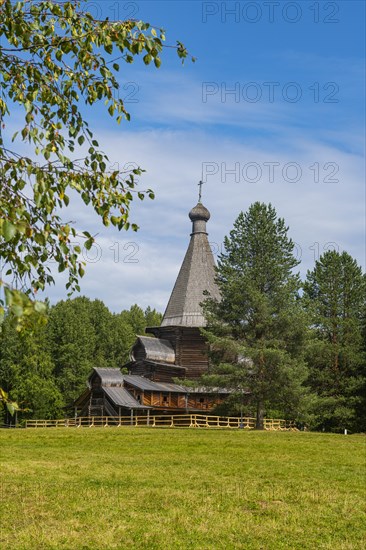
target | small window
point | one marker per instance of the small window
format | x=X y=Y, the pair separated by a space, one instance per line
x=202 y=399
x=165 y=399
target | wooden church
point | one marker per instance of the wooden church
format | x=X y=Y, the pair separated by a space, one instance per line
x=175 y=349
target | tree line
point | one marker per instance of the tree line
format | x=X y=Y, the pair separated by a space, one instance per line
x=45 y=370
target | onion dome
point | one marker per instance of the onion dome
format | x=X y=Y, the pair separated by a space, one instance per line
x=199 y=212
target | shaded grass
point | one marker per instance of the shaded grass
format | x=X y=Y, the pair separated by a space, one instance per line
x=159 y=488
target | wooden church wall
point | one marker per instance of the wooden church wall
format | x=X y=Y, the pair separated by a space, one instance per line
x=193 y=352
x=190 y=349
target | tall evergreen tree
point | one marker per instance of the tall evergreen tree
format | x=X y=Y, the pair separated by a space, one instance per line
x=334 y=296
x=256 y=331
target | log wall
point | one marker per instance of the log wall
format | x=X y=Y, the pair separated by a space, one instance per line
x=191 y=350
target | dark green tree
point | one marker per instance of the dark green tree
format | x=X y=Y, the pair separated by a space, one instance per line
x=256 y=331
x=27 y=372
x=47 y=369
x=334 y=296
x=152 y=317
x=73 y=344
x=135 y=317
x=84 y=334
x=121 y=339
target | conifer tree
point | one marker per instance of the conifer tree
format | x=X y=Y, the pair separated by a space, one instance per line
x=256 y=331
x=334 y=296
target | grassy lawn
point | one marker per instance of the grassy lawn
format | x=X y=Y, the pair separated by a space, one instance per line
x=105 y=488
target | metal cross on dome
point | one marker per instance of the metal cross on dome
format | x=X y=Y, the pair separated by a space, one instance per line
x=200 y=191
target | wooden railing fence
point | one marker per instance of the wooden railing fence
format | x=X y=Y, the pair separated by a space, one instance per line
x=164 y=421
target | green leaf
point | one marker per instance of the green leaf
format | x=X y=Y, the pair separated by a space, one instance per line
x=89 y=243
x=8 y=230
x=40 y=307
x=10 y=407
x=17 y=309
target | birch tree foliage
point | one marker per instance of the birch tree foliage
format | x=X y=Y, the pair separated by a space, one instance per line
x=56 y=60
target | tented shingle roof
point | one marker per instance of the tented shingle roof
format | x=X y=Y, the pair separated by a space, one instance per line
x=196 y=275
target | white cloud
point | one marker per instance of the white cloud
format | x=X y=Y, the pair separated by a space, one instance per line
x=318 y=213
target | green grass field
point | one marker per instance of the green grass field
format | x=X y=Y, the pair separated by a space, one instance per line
x=105 y=488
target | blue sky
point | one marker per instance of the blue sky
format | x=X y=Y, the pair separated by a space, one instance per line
x=271 y=111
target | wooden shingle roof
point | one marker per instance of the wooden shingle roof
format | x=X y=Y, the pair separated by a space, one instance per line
x=122 y=398
x=155 y=349
x=109 y=376
x=145 y=384
x=196 y=275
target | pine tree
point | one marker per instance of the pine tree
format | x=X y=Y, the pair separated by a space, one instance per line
x=334 y=296
x=256 y=331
